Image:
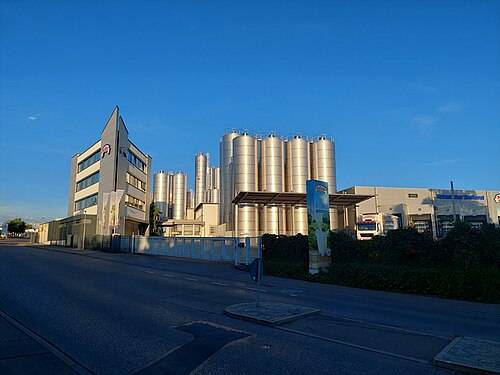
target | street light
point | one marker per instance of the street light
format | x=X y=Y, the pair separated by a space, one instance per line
x=84 y=221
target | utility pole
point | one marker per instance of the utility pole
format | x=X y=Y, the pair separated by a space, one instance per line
x=84 y=222
x=453 y=201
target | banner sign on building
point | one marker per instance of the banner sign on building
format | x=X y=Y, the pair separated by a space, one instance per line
x=318 y=218
x=115 y=198
x=105 y=199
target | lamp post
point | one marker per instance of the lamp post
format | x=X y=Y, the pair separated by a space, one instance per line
x=84 y=222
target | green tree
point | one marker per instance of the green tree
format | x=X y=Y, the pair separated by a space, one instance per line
x=17 y=226
x=154 y=217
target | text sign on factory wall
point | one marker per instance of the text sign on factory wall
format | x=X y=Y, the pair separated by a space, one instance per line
x=461 y=197
x=318 y=218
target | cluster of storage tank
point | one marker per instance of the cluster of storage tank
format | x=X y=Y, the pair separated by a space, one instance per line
x=206 y=188
x=273 y=164
x=170 y=194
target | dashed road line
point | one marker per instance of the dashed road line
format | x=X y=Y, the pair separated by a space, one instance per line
x=255 y=289
x=149 y=271
x=167 y=275
x=190 y=279
x=216 y=283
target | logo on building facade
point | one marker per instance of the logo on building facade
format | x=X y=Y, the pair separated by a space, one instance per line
x=106 y=149
x=123 y=151
x=497 y=198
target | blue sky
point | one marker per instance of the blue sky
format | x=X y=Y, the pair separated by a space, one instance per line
x=409 y=89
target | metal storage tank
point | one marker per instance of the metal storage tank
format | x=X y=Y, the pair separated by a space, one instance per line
x=245 y=174
x=170 y=197
x=272 y=179
x=179 y=196
x=226 y=179
x=209 y=174
x=190 y=199
x=323 y=169
x=161 y=192
x=200 y=182
x=214 y=195
x=297 y=173
x=216 y=178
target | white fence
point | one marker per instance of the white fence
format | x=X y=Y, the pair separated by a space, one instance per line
x=239 y=251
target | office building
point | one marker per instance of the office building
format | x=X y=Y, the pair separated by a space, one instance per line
x=109 y=187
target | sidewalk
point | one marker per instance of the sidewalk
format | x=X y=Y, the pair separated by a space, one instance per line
x=465 y=354
x=23 y=352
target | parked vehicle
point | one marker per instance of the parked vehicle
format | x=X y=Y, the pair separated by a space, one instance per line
x=376 y=225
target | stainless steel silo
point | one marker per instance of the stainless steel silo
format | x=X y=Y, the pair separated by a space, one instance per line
x=161 y=192
x=216 y=177
x=170 y=195
x=209 y=174
x=272 y=179
x=323 y=169
x=298 y=171
x=190 y=199
x=200 y=182
x=179 y=196
x=245 y=174
x=226 y=179
x=213 y=193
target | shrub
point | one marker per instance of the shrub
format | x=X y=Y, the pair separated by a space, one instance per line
x=285 y=256
x=467 y=246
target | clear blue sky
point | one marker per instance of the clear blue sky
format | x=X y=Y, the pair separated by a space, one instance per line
x=409 y=89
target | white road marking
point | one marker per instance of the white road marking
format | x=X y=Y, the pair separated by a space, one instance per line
x=167 y=275
x=255 y=289
x=149 y=271
x=216 y=283
x=188 y=278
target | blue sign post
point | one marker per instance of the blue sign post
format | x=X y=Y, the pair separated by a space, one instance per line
x=318 y=218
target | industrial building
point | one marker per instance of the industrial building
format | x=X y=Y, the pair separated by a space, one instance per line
x=109 y=188
x=186 y=212
x=428 y=210
x=248 y=163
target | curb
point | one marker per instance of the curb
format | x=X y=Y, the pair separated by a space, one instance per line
x=270 y=322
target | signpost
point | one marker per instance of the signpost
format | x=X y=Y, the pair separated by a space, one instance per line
x=256 y=274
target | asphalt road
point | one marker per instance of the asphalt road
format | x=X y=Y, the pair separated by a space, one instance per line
x=124 y=313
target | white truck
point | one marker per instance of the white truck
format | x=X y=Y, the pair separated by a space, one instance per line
x=376 y=225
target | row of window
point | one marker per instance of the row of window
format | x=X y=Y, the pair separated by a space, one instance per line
x=134 y=159
x=86 y=202
x=135 y=182
x=96 y=156
x=134 y=202
x=87 y=181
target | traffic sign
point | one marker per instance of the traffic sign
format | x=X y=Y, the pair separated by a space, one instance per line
x=256 y=270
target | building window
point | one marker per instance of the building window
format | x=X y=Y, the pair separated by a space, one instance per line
x=95 y=157
x=86 y=202
x=135 y=182
x=134 y=202
x=134 y=159
x=87 y=181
